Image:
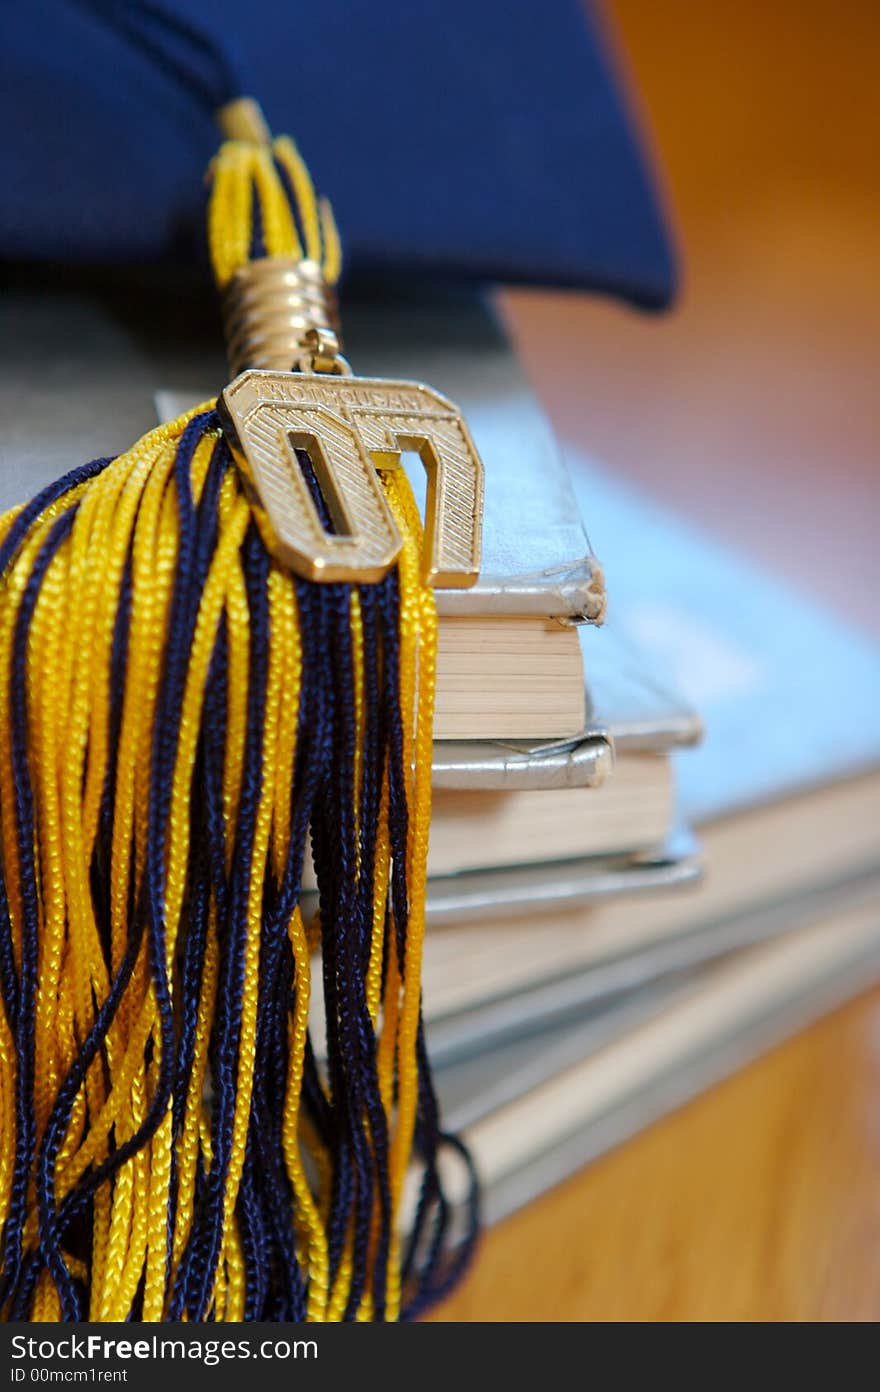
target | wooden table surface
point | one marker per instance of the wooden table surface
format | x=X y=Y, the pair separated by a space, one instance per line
x=754 y=409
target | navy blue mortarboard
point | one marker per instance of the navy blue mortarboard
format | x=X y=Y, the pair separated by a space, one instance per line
x=489 y=141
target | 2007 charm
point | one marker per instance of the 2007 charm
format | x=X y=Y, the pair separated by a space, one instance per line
x=350 y=427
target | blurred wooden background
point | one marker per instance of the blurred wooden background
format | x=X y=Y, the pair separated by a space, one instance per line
x=754 y=405
x=754 y=409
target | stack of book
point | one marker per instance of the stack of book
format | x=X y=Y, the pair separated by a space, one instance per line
x=591 y=962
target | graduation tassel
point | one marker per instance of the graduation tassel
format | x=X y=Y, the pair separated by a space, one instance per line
x=190 y=703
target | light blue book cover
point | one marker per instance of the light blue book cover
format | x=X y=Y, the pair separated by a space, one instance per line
x=788 y=691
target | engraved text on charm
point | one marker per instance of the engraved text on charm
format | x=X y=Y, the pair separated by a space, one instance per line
x=350 y=427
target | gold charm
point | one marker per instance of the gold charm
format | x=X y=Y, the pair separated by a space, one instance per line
x=281 y=314
x=350 y=427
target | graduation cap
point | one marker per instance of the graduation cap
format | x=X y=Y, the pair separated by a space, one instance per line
x=488 y=141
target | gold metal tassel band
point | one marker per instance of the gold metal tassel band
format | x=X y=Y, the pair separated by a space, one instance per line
x=280 y=313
